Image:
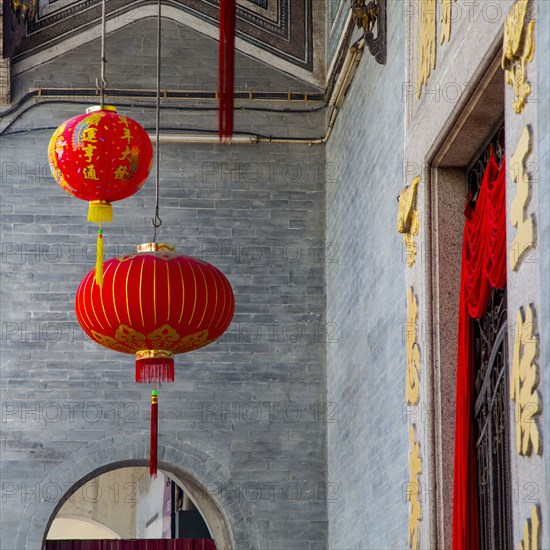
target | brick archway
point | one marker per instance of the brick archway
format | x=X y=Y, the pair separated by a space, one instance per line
x=232 y=521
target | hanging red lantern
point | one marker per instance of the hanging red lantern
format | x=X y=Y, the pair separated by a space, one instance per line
x=100 y=157
x=155 y=304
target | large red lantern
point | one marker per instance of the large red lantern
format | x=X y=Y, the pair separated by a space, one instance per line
x=155 y=304
x=100 y=157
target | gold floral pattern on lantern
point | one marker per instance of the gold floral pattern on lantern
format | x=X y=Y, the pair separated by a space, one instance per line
x=128 y=340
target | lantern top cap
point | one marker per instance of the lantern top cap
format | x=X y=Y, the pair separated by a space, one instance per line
x=95 y=108
x=156 y=247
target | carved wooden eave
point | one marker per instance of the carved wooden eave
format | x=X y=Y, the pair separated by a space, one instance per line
x=286 y=34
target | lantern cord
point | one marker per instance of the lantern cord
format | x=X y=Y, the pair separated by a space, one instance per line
x=101 y=83
x=156 y=221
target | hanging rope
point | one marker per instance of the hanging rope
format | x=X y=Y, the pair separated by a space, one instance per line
x=101 y=82
x=156 y=221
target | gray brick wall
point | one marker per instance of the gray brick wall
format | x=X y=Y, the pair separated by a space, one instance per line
x=368 y=446
x=251 y=405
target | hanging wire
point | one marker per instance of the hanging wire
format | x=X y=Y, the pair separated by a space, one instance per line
x=101 y=82
x=156 y=221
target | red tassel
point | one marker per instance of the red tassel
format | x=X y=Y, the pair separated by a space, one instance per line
x=154 y=434
x=155 y=370
x=226 y=61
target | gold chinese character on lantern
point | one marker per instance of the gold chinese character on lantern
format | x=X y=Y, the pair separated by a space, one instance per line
x=90 y=173
x=89 y=134
x=121 y=172
x=89 y=151
x=126 y=153
x=525 y=383
x=127 y=135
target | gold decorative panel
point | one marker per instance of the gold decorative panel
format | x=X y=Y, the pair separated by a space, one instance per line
x=407 y=219
x=531 y=531
x=412 y=390
x=413 y=492
x=426 y=43
x=446 y=18
x=518 y=49
x=524 y=238
x=525 y=381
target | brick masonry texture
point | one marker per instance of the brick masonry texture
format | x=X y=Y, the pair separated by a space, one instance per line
x=368 y=448
x=253 y=402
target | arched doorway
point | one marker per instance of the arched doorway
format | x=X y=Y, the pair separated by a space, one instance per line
x=126 y=503
x=232 y=522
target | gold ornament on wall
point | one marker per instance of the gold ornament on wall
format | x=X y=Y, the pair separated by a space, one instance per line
x=413 y=490
x=407 y=219
x=518 y=49
x=412 y=390
x=525 y=382
x=524 y=238
x=426 y=43
x=446 y=18
x=531 y=531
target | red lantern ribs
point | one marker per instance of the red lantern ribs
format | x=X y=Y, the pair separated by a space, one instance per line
x=155 y=304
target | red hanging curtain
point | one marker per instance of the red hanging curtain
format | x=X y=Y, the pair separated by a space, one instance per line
x=483 y=267
x=226 y=67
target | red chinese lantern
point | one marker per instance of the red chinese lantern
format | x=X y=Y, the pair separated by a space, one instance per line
x=155 y=304
x=100 y=157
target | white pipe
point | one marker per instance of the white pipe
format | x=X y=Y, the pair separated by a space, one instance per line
x=190 y=138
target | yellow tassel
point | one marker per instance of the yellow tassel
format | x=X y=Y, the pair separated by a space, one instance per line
x=99 y=259
x=100 y=211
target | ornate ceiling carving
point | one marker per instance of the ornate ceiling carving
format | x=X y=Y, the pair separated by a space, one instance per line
x=280 y=27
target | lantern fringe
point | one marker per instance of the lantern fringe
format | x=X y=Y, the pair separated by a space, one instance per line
x=154 y=435
x=100 y=212
x=155 y=370
x=99 y=258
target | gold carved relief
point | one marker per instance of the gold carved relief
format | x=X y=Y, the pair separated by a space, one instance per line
x=426 y=44
x=407 y=219
x=531 y=531
x=518 y=49
x=525 y=381
x=525 y=235
x=413 y=491
x=446 y=12
x=412 y=390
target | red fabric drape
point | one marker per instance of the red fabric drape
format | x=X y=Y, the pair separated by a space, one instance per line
x=483 y=267
x=226 y=67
